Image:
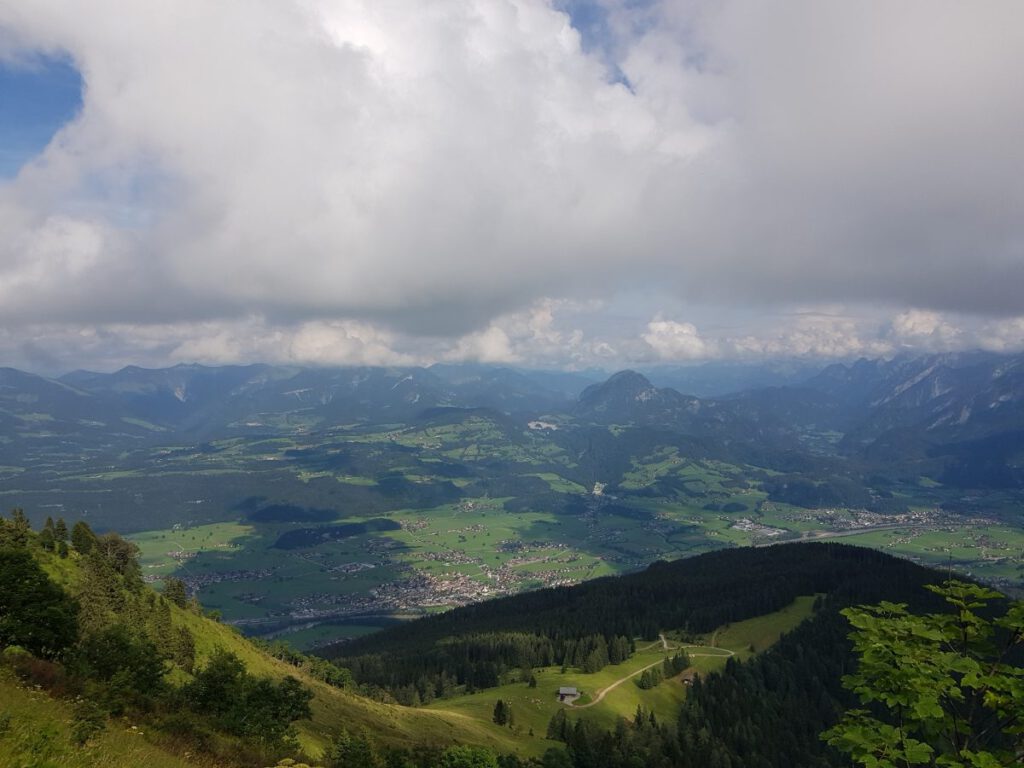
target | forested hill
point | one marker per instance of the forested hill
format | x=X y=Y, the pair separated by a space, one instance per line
x=767 y=712
x=477 y=643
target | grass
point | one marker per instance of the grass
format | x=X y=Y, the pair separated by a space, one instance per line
x=160 y=552
x=559 y=484
x=332 y=708
x=762 y=632
x=143 y=423
x=39 y=734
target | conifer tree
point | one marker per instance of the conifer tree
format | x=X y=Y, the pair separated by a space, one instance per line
x=35 y=613
x=501 y=713
x=46 y=538
x=82 y=537
x=18 y=529
x=174 y=590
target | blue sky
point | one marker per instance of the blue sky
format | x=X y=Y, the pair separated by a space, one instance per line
x=379 y=181
x=37 y=97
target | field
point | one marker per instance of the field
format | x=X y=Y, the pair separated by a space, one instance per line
x=538 y=525
x=318 y=536
x=992 y=553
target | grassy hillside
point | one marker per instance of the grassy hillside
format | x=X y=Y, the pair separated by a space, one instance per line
x=464 y=719
x=35 y=731
x=333 y=708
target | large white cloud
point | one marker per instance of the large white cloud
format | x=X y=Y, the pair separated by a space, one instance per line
x=437 y=168
x=672 y=340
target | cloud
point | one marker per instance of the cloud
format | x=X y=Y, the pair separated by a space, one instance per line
x=676 y=341
x=1004 y=335
x=919 y=329
x=376 y=171
x=549 y=334
x=816 y=334
x=311 y=343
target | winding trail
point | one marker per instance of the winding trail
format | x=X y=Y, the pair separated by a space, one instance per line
x=726 y=653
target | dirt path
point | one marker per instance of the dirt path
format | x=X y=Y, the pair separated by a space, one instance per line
x=725 y=652
x=665 y=646
x=604 y=691
x=660 y=641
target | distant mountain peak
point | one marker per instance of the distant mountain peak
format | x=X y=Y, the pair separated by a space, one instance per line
x=621 y=388
x=629 y=378
x=628 y=395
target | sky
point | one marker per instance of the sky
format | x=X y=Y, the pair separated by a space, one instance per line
x=543 y=183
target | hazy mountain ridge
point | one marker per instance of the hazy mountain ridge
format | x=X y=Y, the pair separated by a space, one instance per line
x=922 y=410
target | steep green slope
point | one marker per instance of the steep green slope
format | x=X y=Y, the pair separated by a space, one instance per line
x=107 y=598
x=35 y=730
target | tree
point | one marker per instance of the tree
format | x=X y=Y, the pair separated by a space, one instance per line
x=251 y=707
x=47 y=540
x=467 y=757
x=15 y=533
x=128 y=665
x=60 y=530
x=174 y=590
x=122 y=554
x=650 y=678
x=501 y=713
x=353 y=751
x=101 y=597
x=942 y=688
x=559 y=727
x=184 y=652
x=35 y=613
x=82 y=537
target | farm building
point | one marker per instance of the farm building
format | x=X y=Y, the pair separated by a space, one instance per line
x=567 y=693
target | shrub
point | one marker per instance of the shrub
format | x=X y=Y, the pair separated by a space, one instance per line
x=87 y=721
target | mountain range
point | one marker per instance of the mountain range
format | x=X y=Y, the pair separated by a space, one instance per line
x=957 y=416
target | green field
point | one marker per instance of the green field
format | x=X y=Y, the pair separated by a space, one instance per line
x=480 y=507
x=992 y=553
x=161 y=553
